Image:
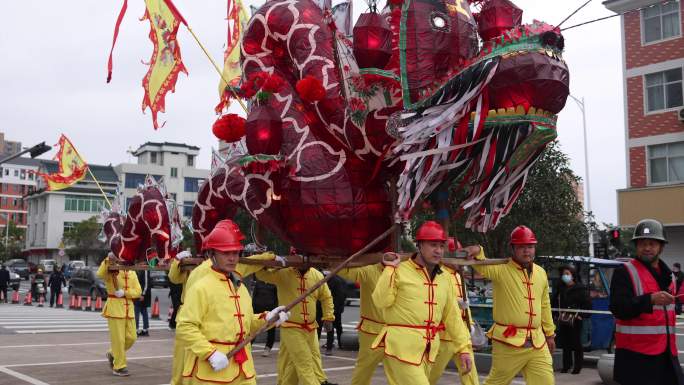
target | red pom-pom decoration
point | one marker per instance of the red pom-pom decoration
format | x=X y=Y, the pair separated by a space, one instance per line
x=229 y=127
x=310 y=89
x=273 y=84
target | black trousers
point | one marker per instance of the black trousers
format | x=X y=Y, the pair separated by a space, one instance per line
x=330 y=337
x=54 y=293
x=3 y=289
x=632 y=368
x=270 y=337
x=571 y=340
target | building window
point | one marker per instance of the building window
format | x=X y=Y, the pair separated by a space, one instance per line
x=191 y=161
x=68 y=226
x=84 y=204
x=660 y=22
x=666 y=163
x=192 y=184
x=153 y=157
x=174 y=172
x=187 y=208
x=43 y=234
x=664 y=90
x=16 y=173
x=23 y=174
x=133 y=180
x=6 y=172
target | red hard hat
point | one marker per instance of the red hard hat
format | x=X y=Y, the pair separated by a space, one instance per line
x=431 y=231
x=454 y=244
x=226 y=236
x=523 y=235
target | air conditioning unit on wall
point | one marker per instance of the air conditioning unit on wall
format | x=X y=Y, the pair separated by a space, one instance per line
x=680 y=113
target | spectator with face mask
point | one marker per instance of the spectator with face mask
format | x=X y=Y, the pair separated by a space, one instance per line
x=571 y=294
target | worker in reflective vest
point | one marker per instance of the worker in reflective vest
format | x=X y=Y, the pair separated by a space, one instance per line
x=642 y=301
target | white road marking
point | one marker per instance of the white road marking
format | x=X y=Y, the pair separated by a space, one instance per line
x=139 y=341
x=23 y=377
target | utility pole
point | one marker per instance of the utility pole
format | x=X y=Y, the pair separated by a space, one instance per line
x=587 y=194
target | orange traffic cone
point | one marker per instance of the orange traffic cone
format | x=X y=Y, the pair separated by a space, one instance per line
x=155 y=308
x=98 y=304
x=79 y=303
x=28 y=301
x=60 y=303
x=89 y=304
x=72 y=302
x=15 y=297
x=41 y=300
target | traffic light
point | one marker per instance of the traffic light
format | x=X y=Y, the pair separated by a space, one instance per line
x=39 y=149
x=615 y=234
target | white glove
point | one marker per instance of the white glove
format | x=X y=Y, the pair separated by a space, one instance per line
x=277 y=313
x=183 y=254
x=281 y=260
x=119 y=293
x=218 y=361
x=463 y=304
x=282 y=318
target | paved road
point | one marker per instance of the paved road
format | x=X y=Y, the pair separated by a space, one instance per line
x=44 y=346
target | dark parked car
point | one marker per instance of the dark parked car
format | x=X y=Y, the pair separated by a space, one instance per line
x=85 y=282
x=71 y=266
x=15 y=280
x=159 y=279
x=19 y=266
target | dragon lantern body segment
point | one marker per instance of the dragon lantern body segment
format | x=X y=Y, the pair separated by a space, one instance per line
x=442 y=108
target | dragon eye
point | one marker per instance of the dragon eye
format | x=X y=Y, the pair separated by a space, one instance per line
x=439 y=21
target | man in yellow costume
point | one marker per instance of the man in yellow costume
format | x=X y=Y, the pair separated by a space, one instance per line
x=122 y=288
x=523 y=331
x=416 y=297
x=370 y=324
x=299 y=357
x=446 y=350
x=217 y=316
x=188 y=278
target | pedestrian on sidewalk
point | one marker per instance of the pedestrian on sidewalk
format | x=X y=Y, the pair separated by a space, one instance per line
x=571 y=294
x=4 y=280
x=56 y=282
x=679 y=277
x=142 y=303
x=338 y=290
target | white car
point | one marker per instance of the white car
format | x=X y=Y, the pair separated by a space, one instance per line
x=48 y=265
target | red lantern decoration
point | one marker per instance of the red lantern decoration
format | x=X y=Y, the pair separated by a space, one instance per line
x=372 y=41
x=264 y=131
x=229 y=127
x=497 y=17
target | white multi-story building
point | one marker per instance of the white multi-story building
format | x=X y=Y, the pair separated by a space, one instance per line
x=174 y=163
x=50 y=213
x=17 y=178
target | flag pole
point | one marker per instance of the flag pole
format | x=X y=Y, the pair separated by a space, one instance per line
x=99 y=186
x=244 y=108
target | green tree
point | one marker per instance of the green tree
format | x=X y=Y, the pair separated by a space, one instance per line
x=83 y=241
x=548 y=205
x=11 y=241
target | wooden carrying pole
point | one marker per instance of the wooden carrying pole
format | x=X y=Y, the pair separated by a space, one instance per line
x=313 y=288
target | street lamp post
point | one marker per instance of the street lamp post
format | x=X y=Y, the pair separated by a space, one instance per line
x=587 y=194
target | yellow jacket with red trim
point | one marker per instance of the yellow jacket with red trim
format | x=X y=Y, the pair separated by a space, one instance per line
x=125 y=280
x=371 y=321
x=458 y=294
x=522 y=307
x=413 y=307
x=217 y=315
x=291 y=284
x=187 y=278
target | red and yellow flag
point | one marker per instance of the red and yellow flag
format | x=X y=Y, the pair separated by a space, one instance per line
x=237 y=21
x=72 y=168
x=166 y=62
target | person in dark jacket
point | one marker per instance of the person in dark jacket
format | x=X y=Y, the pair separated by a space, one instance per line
x=338 y=289
x=56 y=282
x=4 y=281
x=648 y=356
x=571 y=294
x=679 y=276
x=142 y=303
x=265 y=298
x=175 y=293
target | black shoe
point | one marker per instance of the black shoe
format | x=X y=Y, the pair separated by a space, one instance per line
x=576 y=370
x=144 y=333
x=327 y=383
x=123 y=372
x=564 y=370
x=110 y=358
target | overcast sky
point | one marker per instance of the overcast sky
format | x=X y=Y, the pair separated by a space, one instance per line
x=53 y=71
